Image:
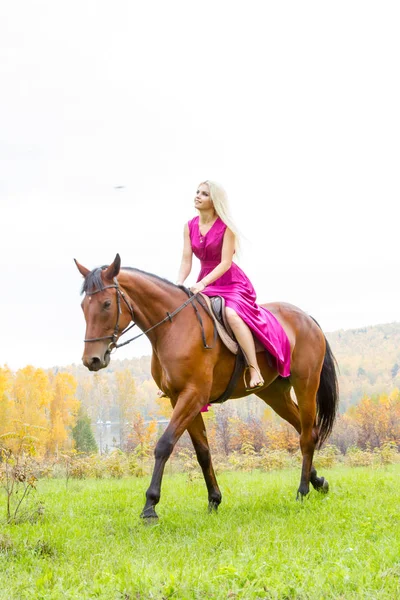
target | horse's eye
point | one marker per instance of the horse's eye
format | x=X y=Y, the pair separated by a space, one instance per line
x=107 y=304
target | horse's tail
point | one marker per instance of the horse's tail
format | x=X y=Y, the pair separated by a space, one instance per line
x=327 y=395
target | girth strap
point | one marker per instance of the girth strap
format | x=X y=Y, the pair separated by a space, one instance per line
x=237 y=370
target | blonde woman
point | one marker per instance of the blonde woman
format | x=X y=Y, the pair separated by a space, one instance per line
x=212 y=237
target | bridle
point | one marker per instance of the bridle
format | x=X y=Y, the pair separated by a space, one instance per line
x=120 y=294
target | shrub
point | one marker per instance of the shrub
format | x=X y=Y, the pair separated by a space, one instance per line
x=327 y=457
x=360 y=458
x=97 y=466
x=18 y=477
x=116 y=464
x=388 y=453
x=79 y=469
x=276 y=459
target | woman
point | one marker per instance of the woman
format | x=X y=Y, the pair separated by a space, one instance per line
x=212 y=237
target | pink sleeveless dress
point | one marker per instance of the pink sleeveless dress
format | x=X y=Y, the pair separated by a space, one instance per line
x=235 y=287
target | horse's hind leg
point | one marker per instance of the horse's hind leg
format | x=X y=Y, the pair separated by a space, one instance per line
x=306 y=394
x=277 y=396
x=197 y=432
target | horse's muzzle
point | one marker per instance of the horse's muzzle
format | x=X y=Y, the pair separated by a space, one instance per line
x=95 y=363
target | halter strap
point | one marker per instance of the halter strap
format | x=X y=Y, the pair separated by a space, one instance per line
x=119 y=293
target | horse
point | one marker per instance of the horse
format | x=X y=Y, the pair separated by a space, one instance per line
x=193 y=368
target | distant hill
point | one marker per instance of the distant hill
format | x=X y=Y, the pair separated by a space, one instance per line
x=369 y=361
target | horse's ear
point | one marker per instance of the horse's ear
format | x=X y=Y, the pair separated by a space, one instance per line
x=82 y=270
x=113 y=270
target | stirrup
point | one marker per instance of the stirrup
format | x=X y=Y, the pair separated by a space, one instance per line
x=259 y=385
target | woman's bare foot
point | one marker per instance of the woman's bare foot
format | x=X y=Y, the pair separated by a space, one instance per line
x=256 y=380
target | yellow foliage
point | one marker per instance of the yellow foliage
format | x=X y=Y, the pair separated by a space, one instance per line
x=165 y=408
x=37 y=410
x=126 y=394
x=6 y=403
x=31 y=399
x=64 y=408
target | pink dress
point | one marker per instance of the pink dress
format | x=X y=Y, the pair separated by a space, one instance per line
x=239 y=293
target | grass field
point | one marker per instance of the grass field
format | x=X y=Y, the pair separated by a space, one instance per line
x=90 y=542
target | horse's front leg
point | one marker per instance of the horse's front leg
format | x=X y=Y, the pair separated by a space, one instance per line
x=188 y=405
x=197 y=432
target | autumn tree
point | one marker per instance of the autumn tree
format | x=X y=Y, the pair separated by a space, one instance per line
x=101 y=397
x=223 y=425
x=126 y=399
x=378 y=420
x=64 y=408
x=141 y=434
x=164 y=407
x=345 y=432
x=31 y=394
x=6 y=403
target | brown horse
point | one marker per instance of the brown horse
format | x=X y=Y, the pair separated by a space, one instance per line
x=192 y=375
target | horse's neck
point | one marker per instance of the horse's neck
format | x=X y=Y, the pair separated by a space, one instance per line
x=151 y=299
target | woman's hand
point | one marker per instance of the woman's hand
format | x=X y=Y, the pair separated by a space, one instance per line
x=197 y=287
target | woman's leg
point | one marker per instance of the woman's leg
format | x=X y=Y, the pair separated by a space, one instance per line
x=246 y=341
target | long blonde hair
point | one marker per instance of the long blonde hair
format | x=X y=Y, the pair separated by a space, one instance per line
x=220 y=202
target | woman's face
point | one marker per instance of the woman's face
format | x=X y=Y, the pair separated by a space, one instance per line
x=202 y=200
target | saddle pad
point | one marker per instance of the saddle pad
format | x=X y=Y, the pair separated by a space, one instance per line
x=222 y=329
x=216 y=306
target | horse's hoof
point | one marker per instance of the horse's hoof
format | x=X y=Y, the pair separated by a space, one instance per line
x=324 y=488
x=149 y=515
x=301 y=494
x=212 y=507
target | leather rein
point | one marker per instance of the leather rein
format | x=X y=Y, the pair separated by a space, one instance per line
x=120 y=295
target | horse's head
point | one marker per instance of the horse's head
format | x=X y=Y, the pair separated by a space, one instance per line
x=106 y=316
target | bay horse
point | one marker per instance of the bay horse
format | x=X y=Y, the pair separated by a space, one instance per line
x=193 y=373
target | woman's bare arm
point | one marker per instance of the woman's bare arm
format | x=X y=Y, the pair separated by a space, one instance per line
x=187 y=254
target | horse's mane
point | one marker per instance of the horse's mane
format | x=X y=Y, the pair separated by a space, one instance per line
x=157 y=277
x=93 y=280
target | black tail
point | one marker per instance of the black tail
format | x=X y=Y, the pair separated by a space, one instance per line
x=327 y=395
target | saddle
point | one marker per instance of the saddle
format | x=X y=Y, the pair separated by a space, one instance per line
x=216 y=307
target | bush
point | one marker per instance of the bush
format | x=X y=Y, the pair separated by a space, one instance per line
x=360 y=458
x=388 y=453
x=79 y=469
x=116 y=464
x=97 y=466
x=272 y=460
x=327 y=457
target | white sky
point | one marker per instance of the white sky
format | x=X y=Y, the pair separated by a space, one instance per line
x=292 y=106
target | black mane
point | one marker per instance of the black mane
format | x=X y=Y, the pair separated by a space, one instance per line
x=167 y=281
x=94 y=282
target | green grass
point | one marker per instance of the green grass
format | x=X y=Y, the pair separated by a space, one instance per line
x=90 y=542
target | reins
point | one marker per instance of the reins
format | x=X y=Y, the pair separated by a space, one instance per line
x=120 y=294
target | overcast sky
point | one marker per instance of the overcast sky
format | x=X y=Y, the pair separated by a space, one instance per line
x=292 y=106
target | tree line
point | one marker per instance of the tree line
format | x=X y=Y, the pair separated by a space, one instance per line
x=52 y=412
